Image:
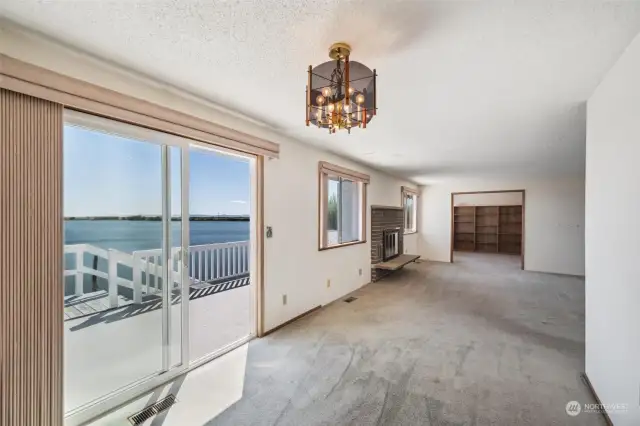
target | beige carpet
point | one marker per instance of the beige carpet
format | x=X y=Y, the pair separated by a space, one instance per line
x=478 y=342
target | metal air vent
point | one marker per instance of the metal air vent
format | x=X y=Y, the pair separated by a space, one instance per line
x=144 y=415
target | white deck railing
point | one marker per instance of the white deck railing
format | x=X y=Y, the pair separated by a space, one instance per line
x=207 y=262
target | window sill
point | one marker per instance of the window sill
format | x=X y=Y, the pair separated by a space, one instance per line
x=342 y=245
x=410 y=232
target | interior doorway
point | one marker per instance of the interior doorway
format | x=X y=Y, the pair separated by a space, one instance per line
x=160 y=256
x=488 y=222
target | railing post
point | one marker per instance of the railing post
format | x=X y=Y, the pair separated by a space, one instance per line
x=113 y=279
x=180 y=266
x=218 y=263
x=137 y=279
x=234 y=260
x=225 y=262
x=245 y=261
x=157 y=275
x=207 y=255
x=192 y=271
x=79 y=273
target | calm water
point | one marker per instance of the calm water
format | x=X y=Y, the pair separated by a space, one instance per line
x=128 y=236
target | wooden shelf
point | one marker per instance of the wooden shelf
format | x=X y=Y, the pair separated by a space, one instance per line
x=486 y=227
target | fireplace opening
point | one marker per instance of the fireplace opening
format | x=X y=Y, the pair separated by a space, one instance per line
x=390 y=239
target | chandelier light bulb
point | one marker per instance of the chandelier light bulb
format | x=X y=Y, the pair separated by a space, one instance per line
x=341 y=93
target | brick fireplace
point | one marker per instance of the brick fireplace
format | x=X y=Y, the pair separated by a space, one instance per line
x=387 y=230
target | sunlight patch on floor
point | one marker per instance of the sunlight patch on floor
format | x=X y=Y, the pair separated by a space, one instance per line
x=202 y=394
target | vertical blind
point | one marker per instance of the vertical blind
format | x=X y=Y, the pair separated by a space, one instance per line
x=31 y=252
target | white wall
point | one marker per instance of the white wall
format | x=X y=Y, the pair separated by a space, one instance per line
x=293 y=264
x=613 y=237
x=488 y=199
x=554 y=220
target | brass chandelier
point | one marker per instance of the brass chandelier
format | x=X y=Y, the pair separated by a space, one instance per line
x=341 y=94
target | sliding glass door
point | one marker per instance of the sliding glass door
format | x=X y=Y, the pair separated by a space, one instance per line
x=126 y=245
x=158 y=257
x=220 y=306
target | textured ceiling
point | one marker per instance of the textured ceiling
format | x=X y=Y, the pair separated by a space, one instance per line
x=465 y=87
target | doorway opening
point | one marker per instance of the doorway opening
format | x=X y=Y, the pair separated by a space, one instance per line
x=160 y=255
x=488 y=222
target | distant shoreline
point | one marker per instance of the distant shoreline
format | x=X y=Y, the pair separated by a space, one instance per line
x=141 y=218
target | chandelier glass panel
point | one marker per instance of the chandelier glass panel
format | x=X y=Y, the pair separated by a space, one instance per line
x=341 y=94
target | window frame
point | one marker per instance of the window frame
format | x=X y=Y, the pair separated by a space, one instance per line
x=409 y=192
x=327 y=172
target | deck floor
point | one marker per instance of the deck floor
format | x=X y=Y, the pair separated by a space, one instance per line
x=98 y=301
x=111 y=349
x=90 y=303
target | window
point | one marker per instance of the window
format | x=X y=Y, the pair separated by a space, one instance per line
x=409 y=204
x=342 y=206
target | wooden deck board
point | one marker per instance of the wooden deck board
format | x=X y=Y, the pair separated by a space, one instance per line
x=96 y=305
x=397 y=262
x=84 y=308
x=95 y=302
x=72 y=311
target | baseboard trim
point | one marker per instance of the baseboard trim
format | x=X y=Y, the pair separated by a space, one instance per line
x=284 y=324
x=587 y=382
x=562 y=274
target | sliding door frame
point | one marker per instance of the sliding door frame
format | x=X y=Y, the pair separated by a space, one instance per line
x=122 y=396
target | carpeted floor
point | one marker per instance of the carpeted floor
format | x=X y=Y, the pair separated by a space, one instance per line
x=477 y=342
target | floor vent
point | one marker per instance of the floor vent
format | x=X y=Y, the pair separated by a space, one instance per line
x=152 y=410
x=350 y=299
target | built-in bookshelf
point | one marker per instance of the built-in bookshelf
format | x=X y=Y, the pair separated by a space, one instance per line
x=510 y=230
x=464 y=219
x=492 y=229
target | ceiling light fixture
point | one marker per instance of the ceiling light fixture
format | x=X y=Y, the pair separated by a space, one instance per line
x=341 y=94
